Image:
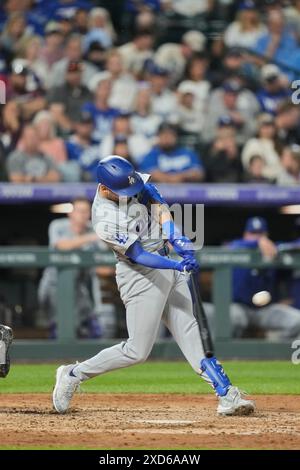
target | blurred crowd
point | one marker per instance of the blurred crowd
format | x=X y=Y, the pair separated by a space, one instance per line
x=188 y=90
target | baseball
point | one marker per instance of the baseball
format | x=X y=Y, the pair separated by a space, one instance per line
x=260 y=299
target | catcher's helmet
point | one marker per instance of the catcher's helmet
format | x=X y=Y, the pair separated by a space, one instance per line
x=119 y=175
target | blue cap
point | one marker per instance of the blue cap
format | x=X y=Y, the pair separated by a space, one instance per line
x=256 y=225
x=232 y=86
x=225 y=121
x=247 y=5
x=155 y=69
x=85 y=117
x=119 y=175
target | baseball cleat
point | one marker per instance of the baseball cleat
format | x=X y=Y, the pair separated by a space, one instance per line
x=65 y=387
x=6 y=337
x=234 y=404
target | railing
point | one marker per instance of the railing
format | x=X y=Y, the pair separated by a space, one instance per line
x=220 y=261
x=263 y=195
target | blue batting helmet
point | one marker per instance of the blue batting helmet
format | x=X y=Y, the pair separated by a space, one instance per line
x=256 y=225
x=119 y=175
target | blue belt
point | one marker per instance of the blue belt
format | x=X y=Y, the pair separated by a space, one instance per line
x=164 y=251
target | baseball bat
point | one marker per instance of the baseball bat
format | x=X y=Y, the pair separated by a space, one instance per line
x=200 y=316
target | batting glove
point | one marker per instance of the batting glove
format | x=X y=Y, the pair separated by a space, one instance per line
x=188 y=264
x=183 y=246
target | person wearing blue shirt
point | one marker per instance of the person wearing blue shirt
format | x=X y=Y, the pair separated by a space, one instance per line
x=82 y=149
x=275 y=89
x=293 y=278
x=64 y=8
x=168 y=162
x=135 y=7
x=103 y=114
x=278 y=44
x=246 y=282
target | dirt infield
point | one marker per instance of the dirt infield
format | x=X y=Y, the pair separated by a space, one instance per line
x=148 y=421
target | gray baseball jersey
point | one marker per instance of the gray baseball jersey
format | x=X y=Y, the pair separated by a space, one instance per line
x=33 y=165
x=120 y=225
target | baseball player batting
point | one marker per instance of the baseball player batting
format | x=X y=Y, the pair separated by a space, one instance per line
x=152 y=286
x=6 y=337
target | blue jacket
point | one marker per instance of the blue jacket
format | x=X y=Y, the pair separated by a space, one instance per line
x=103 y=120
x=247 y=282
x=270 y=102
x=87 y=157
x=287 y=46
x=177 y=160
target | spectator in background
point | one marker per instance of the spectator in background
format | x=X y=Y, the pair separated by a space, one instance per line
x=66 y=100
x=4 y=65
x=143 y=121
x=121 y=148
x=196 y=71
x=49 y=143
x=293 y=277
x=163 y=100
x=52 y=51
x=256 y=170
x=278 y=43
x=234 y=65
x=33 y=13
x=189 y=119
x=290 y=161
x=7 y=8
x=103 y=114
x=73 y=53
x=75 y=233
x=237 y=103
x=247 y=28
x=222 y=158
x=266 y=146
x=168 y=162
x=292 y=16
x=124 y=87
x=66 y=8
x=54 y=146
x=144 y=5
x=145 y=20
x=135 y=53
x=174 y=56
x=100 y=29
x=29 y=165
x=138 y=15
x=287 y=124
x=13 y=33
x=82 y=151
x=66 y=25
x=11 y=124
x=247 y=282
x=138 y=144
x=275 y=89
x=24 y=88
x=96 y=55
x=80 y=23
x=3 y=174
x=30 y=51
x=188 y=7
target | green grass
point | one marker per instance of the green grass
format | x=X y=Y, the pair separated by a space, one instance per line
x=161 y=377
